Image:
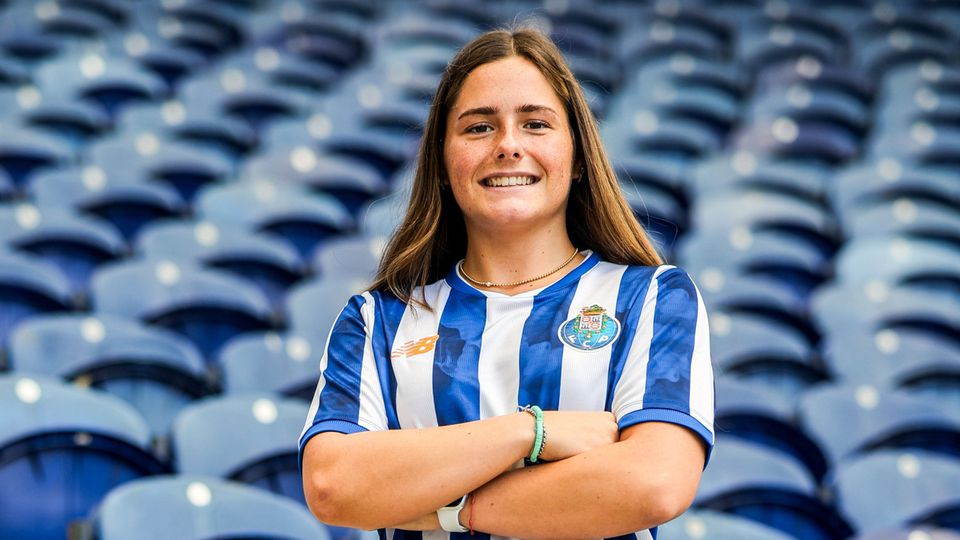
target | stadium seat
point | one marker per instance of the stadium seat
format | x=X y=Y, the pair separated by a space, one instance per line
x=190 y=506
x=699 y=524
x=804 y=140
x=268 y=262
x=899 y=488
x=155 y=371
x=351 y=257
x=911 y=533
x=303 y=218
x=760 y=484
x=897 y=260
x=889 y=179
x=74 y=244
x=382 y=216
x=63 y=449
x=25 y=151
x=903 y=216
x=747 y=170
x=313 y=306
x=207 y=306
x=128 y=203
x=284 y=364
x=851 y=420
x=243 y=95
x=28 y=287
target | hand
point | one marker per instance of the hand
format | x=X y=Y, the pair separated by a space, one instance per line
x=570 y=433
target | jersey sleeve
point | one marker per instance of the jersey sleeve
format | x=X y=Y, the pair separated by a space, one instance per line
x=348 y=398
x=667 y=375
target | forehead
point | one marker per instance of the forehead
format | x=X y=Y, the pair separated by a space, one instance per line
x=506 y=83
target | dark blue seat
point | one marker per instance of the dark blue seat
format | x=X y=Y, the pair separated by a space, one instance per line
x=61 y=450
x=773 y=43
x=698 y=524
x=304 y=218
x=25 y=151
x=147 y=155
x=191 y=506
x=661 y=215
x=268 y=262
x=811 y=72
x=70 y=120
x=888 y=179
x=128 y=203
x=812 y=141
x=645 y=130
x=207 y=306
x=245 y=438
x=283 y=364
x=851 y=420
x=899 y=488
x=751 y=481
x=155 y=371
x=243 y=95
x=764 y=416
x=74 y=244
x=29 y=286
x=169 y=58
x=352 y=181
x=662 y=37
x=807 y=104
x=893 y=47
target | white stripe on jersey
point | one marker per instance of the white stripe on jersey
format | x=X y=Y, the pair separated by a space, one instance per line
x=321 y=382
x=584 y=372
x=701 y=370
x=635 y=372
x=373 y=412
x=498 y=371
x=415 y=406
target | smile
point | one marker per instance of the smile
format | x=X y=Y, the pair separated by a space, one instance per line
x=504 y=181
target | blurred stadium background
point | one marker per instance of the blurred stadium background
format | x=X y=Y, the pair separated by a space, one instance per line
x=191 y=189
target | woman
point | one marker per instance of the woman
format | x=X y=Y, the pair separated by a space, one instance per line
x=518 y=277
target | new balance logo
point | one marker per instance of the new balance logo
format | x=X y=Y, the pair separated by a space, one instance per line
x=415 y=347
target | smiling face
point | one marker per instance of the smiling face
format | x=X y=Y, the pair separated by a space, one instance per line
x=508 y=149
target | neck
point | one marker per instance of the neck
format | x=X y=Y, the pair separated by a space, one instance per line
x=518 y=257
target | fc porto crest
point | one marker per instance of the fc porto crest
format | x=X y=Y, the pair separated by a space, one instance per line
x=590 y=330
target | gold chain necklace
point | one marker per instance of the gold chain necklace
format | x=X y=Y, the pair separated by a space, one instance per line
x=516 y=283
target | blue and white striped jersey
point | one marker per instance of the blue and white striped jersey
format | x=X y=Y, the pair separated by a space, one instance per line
x=628 y=339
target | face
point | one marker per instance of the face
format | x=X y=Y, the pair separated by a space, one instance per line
x=508 y=149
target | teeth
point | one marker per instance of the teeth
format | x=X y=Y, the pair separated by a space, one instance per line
x=503 y=181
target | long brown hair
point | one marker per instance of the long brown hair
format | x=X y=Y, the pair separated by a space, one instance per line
x=432 y=236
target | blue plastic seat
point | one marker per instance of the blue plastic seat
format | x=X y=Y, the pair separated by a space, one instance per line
x=190 y=506
x=207 y=306
x=760 y=484
x=645 y=130
x=698 y=524
x=305 y=219
x=764 y=416
x=287 y=70
x=754 y=172
x=898 y=260
x=898 y=488
x=29 y=286
x=661 y=38
x=245 y=438
x=268 y=262
x=352 y=181
x=244 y=95
x=382 y=216
x=647 y=168
x=128 y=203
x=61 y=450
x=911 y=533
x=352 y=257
x=155 y=371
x=25 y=151
x=888 y=179
x=923 y=142
x=809 y=71
x=806 y=104
x=70 y=120
x=906 y=79
x=74 y=244
x=283 y=364
x=659 y=212
x=147 y=155
x=851 y=420
x=899 y=46
x=313 y=306
x=805 y=140
x=903 y=216
x=168 y=58
x=774 y=43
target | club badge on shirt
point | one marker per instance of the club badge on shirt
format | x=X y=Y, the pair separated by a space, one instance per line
x=590 y=330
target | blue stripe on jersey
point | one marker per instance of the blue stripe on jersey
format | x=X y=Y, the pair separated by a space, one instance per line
x=541 y=351
x=388 y=314
x=456 y=363
x=631 y=536
x=340 y=397
x=456 y=385
x=671 y=349
x=633 y=291
x=401 y=534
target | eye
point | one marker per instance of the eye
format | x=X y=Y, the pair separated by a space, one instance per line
x=537 y=124
x=479 y=128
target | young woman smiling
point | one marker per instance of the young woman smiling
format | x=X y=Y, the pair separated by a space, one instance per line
x=523 y=352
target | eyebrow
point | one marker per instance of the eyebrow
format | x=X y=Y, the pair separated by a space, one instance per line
x=490 y=111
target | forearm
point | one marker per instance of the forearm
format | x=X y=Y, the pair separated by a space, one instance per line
x=379 y=479
x=598 y=494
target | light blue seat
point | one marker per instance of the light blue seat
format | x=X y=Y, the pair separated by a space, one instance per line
x=698 y=524
x=207 y=306
x=755 y=172
x=908 y=533
x=800 y=139
x=304 y=218
x=853 y=420
x=285 y=364
x=25 y=151
x=28 y=287
x=351 y=257
x=382 y=216
x=898 y=488
x=190 y=506
x=888 y=179
x=913 y=217
x=897 y=259
x=64 y=448
x=243 y=95
x=313 y=306
x=155 y=371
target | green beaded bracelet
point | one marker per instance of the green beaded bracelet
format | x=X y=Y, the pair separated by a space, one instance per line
x=539 y=433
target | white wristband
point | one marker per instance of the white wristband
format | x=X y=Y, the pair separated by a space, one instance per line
x=450 y=516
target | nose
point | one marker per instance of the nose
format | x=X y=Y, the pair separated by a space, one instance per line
x=509 y=146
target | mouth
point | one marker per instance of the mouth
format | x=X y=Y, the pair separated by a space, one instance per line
x=509 y=180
